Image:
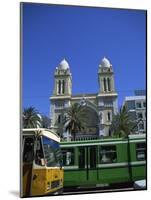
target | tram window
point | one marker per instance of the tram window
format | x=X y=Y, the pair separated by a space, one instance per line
x=28 y=153
x=140 y=151
x=107 y=154
x=68 y=156
x=81 y=157
x=92 y=157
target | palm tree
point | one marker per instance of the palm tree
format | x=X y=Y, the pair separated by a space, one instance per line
x=45 y=122
x=31 y=118
x=121 y=124
x=75 y=119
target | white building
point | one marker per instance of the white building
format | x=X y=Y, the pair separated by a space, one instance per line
x=100 y=106
x=136 y=106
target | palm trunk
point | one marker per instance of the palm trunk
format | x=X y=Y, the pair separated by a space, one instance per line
x=74 y=137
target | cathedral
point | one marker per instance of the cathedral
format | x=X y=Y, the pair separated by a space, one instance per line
x=100 y=106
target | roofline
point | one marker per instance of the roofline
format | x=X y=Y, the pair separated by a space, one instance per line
x=59 y=97
x=84 y=95
x=130 y=98
x=107 y=94
x=79 y=96
x=41 y=131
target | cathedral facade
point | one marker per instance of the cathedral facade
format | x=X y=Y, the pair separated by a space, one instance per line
x=100 y=107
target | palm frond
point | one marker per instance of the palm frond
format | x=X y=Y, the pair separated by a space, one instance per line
x=31 y=118
x=121 y=123
x=75 y=119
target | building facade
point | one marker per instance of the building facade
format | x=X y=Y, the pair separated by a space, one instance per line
x=136 y=106
x=100 y=106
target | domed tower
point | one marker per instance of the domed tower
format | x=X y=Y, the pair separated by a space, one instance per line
x=63 y=79
x=106 y=77
x=60 y=100
x=107 y=97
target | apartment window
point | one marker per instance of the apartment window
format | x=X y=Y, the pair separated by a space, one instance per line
x=144 y=104
x=138 y=105
x=140 y=115
x=141 y=126
x=144 y=115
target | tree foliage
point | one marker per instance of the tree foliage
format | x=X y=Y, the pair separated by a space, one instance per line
x=122 y=125
x=45 y=121
x=31 y=118
x=75 y=119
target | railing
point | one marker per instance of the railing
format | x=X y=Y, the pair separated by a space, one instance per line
x=82 y=137
x=86 y=137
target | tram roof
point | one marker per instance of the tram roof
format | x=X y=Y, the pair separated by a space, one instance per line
x=133 y=138
x=41 y=132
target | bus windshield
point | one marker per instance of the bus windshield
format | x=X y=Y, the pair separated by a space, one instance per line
x=52 y=152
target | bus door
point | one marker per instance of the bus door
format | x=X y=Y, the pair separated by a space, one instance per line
x=88 y=163
x=38 y=170
x=28 y=157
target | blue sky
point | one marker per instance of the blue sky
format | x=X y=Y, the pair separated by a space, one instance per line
x=83 y=36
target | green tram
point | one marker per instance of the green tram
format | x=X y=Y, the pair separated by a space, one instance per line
x=104 y=162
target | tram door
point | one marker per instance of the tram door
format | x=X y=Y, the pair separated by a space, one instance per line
x=88 y=162
x=92 y=159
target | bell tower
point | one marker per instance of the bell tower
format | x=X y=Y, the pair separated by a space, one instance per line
x=107 y=97
x=63 y=80
x=60 y=100
x=106 y=77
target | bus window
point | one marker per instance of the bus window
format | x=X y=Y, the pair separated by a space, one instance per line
x=51 y=152
x=39 y=153
x=107 y=154
x=141 y=151
x=68 y=156
x=28 y=152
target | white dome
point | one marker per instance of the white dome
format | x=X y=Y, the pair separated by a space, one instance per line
x=64 y=65
x=105 y=63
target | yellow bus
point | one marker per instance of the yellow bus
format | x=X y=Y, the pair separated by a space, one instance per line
x=42 y=173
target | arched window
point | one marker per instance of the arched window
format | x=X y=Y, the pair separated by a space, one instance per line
x=59 y=86
x=63 y=86
x=104 y=84
x=59 y=119
x=109 y=84
x=109 y=116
